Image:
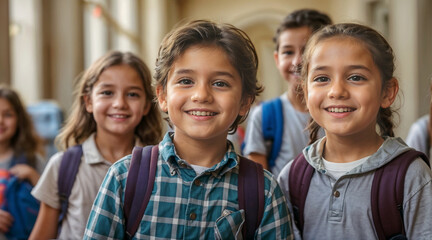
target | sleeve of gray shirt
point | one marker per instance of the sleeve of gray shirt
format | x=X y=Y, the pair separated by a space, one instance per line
x=417 y=201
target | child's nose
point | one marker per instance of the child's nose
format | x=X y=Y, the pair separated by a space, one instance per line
x=297 y=59
x=338 y=90
x=201 y=94
x=119 y=102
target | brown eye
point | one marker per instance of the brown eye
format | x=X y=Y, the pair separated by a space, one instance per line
x=321 y=79
x=185 y=81
x=356 y=78
x=220 y=84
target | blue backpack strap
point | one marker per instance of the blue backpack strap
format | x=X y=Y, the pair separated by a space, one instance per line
x=251 y=195
x=299 y=179
x=67 y=173
x=272 y=127
x=142 y=170
x=387 y=204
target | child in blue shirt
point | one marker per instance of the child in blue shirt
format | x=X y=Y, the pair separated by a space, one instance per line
x=290 y=39
x=205 y=82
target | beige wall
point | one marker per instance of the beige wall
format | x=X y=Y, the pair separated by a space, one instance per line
x=4 y=43
x=26 y=48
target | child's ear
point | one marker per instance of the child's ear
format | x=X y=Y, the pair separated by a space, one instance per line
x=244 y=108
x=161 y=96
x=276 y=57
x=88 y=103
x=390 y=93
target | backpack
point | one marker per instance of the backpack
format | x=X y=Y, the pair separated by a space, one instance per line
x=19 y=202
x=143 y=170
x=68 y=171
x=386 y=194
x=272 y=128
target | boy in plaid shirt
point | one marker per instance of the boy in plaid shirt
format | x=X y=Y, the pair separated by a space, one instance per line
x=205 y=82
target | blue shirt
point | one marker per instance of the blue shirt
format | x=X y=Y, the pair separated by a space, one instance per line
x=184 y=205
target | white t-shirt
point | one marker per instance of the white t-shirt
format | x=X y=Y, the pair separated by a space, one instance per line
x=337 y=170
x=294 y=139
x=199 y=169
x=418 y=136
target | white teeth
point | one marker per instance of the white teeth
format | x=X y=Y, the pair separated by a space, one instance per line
x=119 y=116
x=202 y=113
x=339 y=110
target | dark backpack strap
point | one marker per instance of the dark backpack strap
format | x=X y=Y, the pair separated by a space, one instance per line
x=251 y=195
x=67 y=173
x=272 y=127
x=299 y=179
x=139 y=186
x=19 y=159
x=388 y=189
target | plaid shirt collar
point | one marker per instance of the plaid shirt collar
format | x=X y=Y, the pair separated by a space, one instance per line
x=168 y=153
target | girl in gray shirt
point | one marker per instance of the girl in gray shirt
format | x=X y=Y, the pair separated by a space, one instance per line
x=349 y=89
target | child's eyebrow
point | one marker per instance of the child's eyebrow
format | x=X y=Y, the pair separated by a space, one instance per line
x=362 y=67
x=133 y=87
x=287 y=46
x=105 y=85
x=216 y=73
x=222 y=73
x=183 y=71
x=319 y=68
x=350 y=67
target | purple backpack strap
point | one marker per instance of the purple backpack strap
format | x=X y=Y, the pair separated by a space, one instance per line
x=142 y=171
x=387 y=195
x=19 y=159
x=67 y=173
x=299 y=179
x=251 y=195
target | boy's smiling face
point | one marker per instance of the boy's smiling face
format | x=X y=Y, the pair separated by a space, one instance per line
x=288 y=57
x=203 y=95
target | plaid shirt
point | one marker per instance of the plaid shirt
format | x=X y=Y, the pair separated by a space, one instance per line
x=178 y=194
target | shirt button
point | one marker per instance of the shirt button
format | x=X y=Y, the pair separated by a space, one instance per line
x=192 y=216
x=197 y=182
x=336 y=194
